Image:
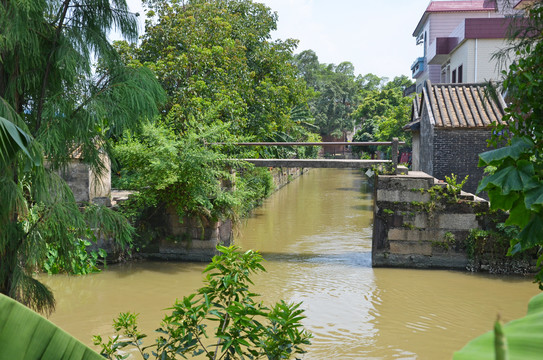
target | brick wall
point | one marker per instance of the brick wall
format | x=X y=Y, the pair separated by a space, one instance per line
x=426 y=148
x=457 y=152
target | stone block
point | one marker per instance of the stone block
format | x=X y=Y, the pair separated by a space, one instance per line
x=410 y=247
x=397 y=234
x=405 y=182
x=402 y=170
x=415 y=234
x=431 y=235
x=185 y=247
x=421 y=221
x=401 y=196
x=458 y=221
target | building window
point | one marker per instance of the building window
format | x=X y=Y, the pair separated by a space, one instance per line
x=460 y=73
x=453 y=76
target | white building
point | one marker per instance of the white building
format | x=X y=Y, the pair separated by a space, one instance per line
x=459 y=39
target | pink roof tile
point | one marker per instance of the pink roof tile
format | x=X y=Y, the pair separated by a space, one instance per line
x=453 y=6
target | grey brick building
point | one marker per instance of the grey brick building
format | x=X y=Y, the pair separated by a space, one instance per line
x=451 y=124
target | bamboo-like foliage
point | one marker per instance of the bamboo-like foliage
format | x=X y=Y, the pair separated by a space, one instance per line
x=55 y=102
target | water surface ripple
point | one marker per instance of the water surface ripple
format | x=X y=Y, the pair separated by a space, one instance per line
x=315 y=235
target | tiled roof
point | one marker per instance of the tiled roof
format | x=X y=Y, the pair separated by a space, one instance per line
x=461 y=105
x=453 y=6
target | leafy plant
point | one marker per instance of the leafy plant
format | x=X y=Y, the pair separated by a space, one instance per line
x=453 y=187
x=516 y=181
x=27 y=335
x=82 y=260
x=448 y=241
x=516 y=186
x=524 y=338
x=244 y=327
x=187 y=174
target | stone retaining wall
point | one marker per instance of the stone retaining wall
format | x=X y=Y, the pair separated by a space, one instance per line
x=282 y=176
x=196 y=239
x=191 y=239
x=416 y=227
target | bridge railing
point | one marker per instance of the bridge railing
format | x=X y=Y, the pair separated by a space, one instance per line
x=395 y=143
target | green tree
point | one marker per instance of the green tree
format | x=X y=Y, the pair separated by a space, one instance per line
x=245 y=328
x=218 y=64
x=335 y=93
x=369 y=82
x=221 y=71
x=516 y=184
x=385 y=111
x=61 y=105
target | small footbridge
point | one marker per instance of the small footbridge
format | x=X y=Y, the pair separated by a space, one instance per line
x=326 y=163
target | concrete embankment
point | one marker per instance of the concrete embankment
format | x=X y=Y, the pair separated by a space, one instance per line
x=418 y=223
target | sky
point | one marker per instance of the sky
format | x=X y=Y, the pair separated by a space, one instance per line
x=374 y=35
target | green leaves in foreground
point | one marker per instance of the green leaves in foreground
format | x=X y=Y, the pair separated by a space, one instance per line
x=25 y=335
x=244 y=328
x=516 y=186
x=524 y=338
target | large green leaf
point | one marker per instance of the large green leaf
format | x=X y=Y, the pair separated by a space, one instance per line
x=518 y=213
x=534 y=197
x=524 y=337
x=509 y=179
x=14 y=139
x=499 y=201
x=530 y=235
x=26 y=335
x=517 y=148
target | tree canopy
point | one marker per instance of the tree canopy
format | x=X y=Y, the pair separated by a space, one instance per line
x=384 y=111
x=218 y=64
x=343 y=102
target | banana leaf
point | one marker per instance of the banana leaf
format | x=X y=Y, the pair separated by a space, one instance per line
x=26 y=335
x=524 y=337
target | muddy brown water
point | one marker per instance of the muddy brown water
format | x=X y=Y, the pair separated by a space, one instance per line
x=315 y=235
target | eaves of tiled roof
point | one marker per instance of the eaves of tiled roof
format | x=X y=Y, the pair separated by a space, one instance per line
x=414 y=124
x=462 y=105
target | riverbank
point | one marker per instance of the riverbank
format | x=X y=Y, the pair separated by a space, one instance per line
x=164 y=236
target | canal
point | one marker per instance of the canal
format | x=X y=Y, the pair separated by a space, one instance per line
x=315 y=235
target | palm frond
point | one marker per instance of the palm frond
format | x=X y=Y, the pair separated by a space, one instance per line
x=32 y=293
